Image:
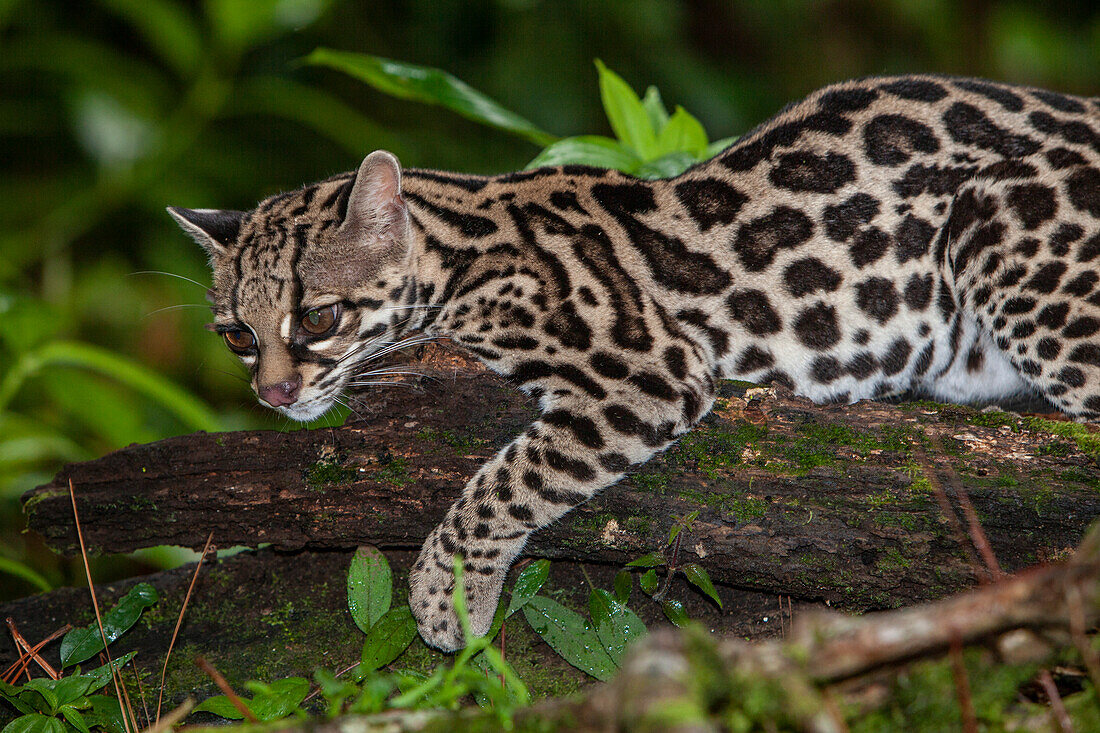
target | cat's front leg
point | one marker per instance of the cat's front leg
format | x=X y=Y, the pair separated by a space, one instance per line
x=576 y=448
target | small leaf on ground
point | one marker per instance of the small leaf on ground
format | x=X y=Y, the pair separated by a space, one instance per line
x=624 y=581
x=528 y=583
x=648 y=581
x=82 y=644
x=570 y=635
x=370 y=587
x=698 y=577
x=675 y=612
x=616 y=625
x=388 y=638
x=648 y=560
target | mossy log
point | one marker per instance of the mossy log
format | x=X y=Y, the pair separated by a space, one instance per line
x=839 y=503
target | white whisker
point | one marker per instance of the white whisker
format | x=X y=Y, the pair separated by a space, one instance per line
x=169 y=274
x=175 y=307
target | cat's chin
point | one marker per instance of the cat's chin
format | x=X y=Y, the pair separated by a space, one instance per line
x=308 y=411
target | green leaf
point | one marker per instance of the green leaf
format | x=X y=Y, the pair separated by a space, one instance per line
x=624 y=581
x=648 y=581
x=616 y=625
x=648 y=560
x=61 y=691
x=697 y=576
x=74 y=717
x=388 y=638
x=82 y=644
x=718 y=146
x=102 y=675
x=594 y=150
x=242 y=24
x=629 y=119
x=528 y=583
x=675 y=612
x=219 y=705
x=105 y=713
x=667 y=166
x=683 y=134
x=20 y=570
x=189 y=409
x=570 y=635
x=370 y=587
x=35 y=723
x=431 y=86
x=10 y=694
x=655 y=108
x=279 y=699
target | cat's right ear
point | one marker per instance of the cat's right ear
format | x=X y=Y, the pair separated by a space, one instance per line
x=215 y=230
x=375 y=204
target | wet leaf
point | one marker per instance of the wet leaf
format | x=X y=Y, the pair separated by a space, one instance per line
x=279 y=699
x=82 y=644
x=648 y=560
x=35 y=723
x=570 y=635
x=528 y=583
x=370 y=587
x=675 y=612
x=648 y=581
x=623 y=584
x=616 y=625
x=698 y=577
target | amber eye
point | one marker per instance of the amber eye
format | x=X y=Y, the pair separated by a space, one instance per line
x=239 y=340
x=320 y=320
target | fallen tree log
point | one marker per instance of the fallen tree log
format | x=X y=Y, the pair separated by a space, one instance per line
x=838 y=502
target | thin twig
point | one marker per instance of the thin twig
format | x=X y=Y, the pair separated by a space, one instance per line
x=179 y=622
x=236 y=701
x=974 y=525
x=30 y=653
x=962 y=687
x=961 y=537
x=1058 y=710
x=115 y=676
x=172 y=718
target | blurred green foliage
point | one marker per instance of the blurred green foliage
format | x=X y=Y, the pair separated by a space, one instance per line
x=112 y=109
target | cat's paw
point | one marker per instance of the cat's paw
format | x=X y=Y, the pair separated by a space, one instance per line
x=431 y=589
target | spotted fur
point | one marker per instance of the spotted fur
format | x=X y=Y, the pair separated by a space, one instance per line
x=883 y=235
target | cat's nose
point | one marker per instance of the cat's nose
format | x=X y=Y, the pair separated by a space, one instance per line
x=281 y=394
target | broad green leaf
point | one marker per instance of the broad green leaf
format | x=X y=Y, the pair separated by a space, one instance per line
x=61 y=691
x=667 y=166
x=35 y=723
x=624 y=581
x=648 y=560
x=82 y=644
x=594 y=150
x=10 y=694
x=655 y=108
x=697 y=576
x=372 y=698
x=528 y=583
x=616 y=625
x=219 y=705
x=75 y=719
x=279 y=699
x=168 y=29
x=370 y=587
x=682 y=134
x=629 y=119
x=718 y=146
x=431 y=86
x=570 y=635
x=648 y=581
x=675 y=612
x=388 y=638
x=18 y=569
x=105 y=713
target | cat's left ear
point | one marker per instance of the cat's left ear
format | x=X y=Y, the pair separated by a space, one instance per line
x=375 y=205
x=215 y=230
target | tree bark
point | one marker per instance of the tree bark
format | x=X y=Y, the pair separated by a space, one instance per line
x=839 y=503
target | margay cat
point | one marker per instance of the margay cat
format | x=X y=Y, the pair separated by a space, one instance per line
x=887 y=234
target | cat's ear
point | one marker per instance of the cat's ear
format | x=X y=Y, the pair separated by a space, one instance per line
x=375 y=204
x=215 y=230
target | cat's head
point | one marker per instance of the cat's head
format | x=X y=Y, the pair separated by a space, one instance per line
x=310 y=284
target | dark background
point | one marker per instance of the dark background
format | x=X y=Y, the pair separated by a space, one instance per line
x=112 y=109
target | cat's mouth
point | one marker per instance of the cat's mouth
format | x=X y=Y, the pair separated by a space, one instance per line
x=309 y=410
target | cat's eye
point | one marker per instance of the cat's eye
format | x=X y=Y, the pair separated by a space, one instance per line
x=320 y=320
x=239 y=340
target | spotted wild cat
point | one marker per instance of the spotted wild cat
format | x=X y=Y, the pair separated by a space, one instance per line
x=887 y=234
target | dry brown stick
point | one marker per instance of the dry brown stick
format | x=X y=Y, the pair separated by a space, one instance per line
x=1058 y=710
x=31 y=654
x=220 y=681
x=128 y=724
x=179 y=622
x=974 y=525
x=962 y=687
x=929 y=470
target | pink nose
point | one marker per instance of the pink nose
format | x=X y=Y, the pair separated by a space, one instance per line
x=281 y=393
